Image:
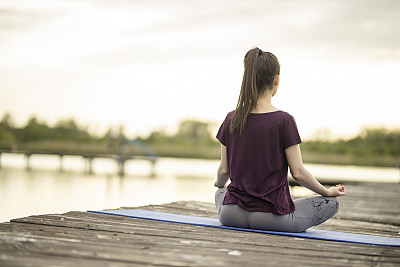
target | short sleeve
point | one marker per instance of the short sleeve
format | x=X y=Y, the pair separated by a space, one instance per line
x=290 y=133
x=224 y=130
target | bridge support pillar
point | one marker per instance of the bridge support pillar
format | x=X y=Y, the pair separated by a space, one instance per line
x=121 y=165
x=60 y=161
x=27 y=161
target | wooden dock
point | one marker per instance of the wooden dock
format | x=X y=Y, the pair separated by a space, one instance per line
x=90 y=239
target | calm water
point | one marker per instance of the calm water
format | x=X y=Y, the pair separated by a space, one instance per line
x=46 y=190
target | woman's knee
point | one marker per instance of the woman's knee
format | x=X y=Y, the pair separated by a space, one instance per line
x=319 y=201
x=315 y=210
x=329 y=207
x=334 y=202
x=220 y=193
x=219 y=198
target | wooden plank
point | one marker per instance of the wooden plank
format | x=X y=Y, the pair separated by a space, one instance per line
x=92 y=239
x=246 y=243
x=100 y=222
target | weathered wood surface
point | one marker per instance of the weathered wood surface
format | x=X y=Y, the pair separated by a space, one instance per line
x=91 y=239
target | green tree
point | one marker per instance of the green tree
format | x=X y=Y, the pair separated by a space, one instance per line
x=7 y=136
x=33 y=131
x=193 y=130
x=69 y=130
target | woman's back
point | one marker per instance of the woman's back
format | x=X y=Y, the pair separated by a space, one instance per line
x=257 y=161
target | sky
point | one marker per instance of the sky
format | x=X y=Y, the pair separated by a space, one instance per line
x=149 y=64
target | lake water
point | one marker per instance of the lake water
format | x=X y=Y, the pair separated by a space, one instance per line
x=44 y=189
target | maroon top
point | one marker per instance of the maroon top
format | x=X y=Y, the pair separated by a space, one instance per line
x=257 y=161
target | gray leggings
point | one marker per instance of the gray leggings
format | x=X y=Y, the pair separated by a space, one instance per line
x=309 y=211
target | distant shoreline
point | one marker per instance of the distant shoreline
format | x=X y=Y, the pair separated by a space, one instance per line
x=212 y=153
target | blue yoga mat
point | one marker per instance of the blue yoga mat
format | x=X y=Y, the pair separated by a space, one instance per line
x=212 y=222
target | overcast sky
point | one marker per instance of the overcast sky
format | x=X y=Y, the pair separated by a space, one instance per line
x=149 y=64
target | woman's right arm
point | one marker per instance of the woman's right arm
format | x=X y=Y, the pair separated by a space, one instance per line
x=304 y=178
x=222 y=174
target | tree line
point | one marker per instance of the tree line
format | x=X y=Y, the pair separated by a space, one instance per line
x=34 y=130
x=68 y=136
x=372 y=146
x=369 y=142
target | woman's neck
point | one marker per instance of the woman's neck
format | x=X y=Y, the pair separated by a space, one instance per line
x=264 y=103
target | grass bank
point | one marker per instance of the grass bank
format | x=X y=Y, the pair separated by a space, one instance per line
x=213 y=152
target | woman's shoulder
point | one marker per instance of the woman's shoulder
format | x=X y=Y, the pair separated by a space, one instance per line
x=230 y=114
x=286 y=114
x=283 y=116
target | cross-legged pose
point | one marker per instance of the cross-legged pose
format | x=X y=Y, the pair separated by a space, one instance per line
x=258 y=144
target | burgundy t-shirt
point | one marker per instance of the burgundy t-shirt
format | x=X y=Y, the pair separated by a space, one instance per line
x=257 y=162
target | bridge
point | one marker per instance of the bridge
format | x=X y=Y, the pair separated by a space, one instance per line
x=120 y=159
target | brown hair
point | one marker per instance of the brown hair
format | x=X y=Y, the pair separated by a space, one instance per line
x=260 y=71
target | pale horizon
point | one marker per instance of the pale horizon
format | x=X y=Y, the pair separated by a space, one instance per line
x=148 y=65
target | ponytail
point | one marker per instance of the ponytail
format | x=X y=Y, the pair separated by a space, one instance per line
x=260 y=70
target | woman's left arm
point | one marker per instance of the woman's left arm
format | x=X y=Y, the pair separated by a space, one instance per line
x=223 y=173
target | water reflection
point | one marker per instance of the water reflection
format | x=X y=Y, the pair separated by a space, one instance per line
x=46 y=190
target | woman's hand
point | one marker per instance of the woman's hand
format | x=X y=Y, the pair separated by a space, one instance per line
x=219 y=185
x=337 y=191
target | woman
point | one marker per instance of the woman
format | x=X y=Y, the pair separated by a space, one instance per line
x=258 y=144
